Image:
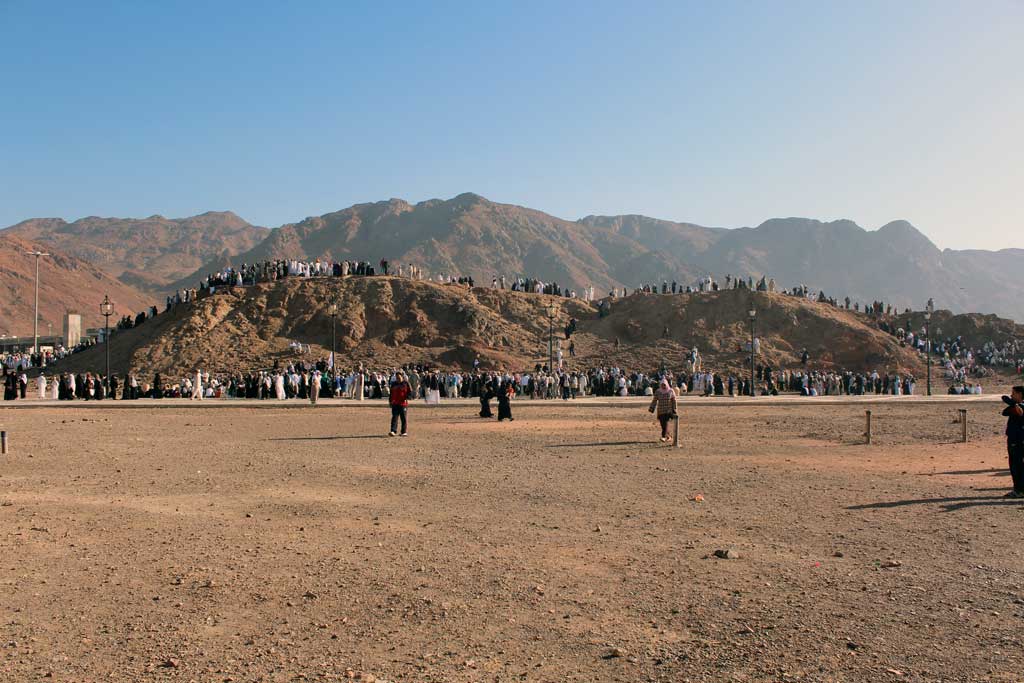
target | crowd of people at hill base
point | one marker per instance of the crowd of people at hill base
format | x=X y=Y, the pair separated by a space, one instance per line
x=311 y=381
x=308 y=380
x=17 y=361
x=68 y=386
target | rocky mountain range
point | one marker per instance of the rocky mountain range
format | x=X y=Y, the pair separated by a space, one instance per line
x=471 y=235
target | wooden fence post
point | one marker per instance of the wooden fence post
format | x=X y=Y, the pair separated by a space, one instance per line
x=963 y=424
x=867 y=431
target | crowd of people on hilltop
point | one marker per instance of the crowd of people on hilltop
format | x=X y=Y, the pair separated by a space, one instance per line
x=279 y=269
x=763 y=284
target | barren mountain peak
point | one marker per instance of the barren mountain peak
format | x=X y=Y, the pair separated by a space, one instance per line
x=899 y=226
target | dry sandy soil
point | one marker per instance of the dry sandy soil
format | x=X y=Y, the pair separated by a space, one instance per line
x=256 y=544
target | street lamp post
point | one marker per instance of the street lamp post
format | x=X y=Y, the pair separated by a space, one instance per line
x=552 y=312
x=107 y=309
x=753 y=318
x=928 y=342
x=35 y=321
x=333 y=309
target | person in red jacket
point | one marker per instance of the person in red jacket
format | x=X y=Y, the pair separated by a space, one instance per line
x=399 y=400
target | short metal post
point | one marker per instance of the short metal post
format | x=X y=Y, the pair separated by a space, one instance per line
x=675 y=434
x=3 y=443
x=963 y=424
x=867 y=431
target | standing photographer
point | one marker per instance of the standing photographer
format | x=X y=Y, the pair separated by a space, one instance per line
x=1014 y=413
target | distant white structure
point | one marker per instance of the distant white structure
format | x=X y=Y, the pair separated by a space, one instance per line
x=72 y=330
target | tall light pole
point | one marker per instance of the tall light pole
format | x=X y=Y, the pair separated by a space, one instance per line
x=333 y=310
x=552 y=312
x=928 y=340
x=35 y=321
x=753 y=318
x=107 y=309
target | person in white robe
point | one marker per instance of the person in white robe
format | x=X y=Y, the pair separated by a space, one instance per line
x=314 y=386
x=41 y=383
x=197 y=386
x=55 y=388
x=279 y=386
x=360 y=384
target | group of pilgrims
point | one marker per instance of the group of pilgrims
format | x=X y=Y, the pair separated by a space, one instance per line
x=25 y=360
x=306 y=380
x=279 y=269
x=68 y=386
x=311 y=381
x=708 y=283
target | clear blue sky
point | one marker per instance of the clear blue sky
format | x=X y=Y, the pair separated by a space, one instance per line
x=719 y=113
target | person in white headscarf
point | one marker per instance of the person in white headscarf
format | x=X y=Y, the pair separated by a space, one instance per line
x=663 y=405
x=41 y=383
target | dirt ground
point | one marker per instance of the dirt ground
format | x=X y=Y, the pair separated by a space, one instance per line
x=255 y=544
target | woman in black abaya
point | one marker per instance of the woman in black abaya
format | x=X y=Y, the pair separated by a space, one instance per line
x=486 y=394
x=505 y=402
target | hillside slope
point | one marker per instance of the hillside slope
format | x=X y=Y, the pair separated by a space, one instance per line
x=66 y=284
x=387 y=321
x=146 y=253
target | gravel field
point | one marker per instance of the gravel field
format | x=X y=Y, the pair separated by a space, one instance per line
x=273 y=544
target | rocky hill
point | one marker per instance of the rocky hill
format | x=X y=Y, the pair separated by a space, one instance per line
x=386 y=321
x=66 y=284
x=147 y=253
